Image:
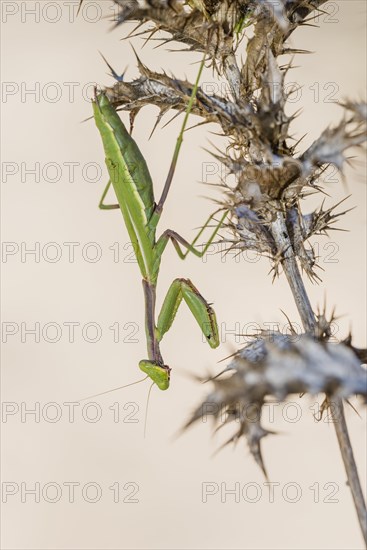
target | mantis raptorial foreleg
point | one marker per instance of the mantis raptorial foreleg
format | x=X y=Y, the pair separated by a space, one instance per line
x=201 y=310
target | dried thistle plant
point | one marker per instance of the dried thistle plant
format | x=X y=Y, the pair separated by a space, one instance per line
x=265 y=205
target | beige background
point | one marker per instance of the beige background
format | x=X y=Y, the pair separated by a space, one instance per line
x=169 y=472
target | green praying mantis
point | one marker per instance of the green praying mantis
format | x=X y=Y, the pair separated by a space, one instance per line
x=130 y=178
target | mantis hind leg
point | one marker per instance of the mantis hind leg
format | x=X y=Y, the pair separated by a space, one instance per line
x=179 y=241
x=101 y=204
x=201 y=310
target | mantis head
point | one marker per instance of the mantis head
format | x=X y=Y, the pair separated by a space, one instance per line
x=159 y=374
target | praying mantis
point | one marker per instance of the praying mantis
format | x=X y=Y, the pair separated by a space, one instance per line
x=133 y=187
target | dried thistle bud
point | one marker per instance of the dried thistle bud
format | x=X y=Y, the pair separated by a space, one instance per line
x=276 y=365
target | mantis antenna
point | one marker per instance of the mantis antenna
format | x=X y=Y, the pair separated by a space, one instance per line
x=146 y=410
x=113 y=389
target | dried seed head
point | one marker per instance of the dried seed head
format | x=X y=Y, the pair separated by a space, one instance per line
x=276 y=365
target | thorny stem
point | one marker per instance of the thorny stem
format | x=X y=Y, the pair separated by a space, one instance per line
x=281 y=237
x=289 y=262
x=233 y=75
x=346 y=450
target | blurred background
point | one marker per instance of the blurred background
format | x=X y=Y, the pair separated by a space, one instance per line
x=82 y=476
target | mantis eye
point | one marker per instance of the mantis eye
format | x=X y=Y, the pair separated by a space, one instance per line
x=159 y=374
